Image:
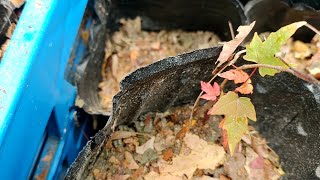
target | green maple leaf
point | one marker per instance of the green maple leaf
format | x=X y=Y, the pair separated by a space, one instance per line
x=234 y=106
x=264 y=52
x=236 y=128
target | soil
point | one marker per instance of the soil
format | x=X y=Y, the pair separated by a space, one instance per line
x=131 y=48
x=168 y=146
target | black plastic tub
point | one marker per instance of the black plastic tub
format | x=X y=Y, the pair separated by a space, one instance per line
x=287 y=108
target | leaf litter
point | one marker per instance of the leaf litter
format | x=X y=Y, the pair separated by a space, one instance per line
x=158 y=152
x=303 y=56
x=130 y=48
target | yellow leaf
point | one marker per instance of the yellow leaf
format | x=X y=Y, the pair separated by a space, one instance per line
x=202 y=156
x=236 y=128
x=264 y=52
x=231 y=105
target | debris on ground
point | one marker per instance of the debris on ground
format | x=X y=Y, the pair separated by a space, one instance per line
x=131 y=48
x=168 y=146
x=304 y=57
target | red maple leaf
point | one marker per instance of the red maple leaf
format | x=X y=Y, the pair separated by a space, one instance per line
x=211 y=91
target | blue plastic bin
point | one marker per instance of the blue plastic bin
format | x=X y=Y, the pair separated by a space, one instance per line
x=38 y=135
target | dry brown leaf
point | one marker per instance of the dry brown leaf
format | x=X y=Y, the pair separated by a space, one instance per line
x=130 y=48
x=121 y=177
x=222 y=177
x=132 y=140
x=230 y=46
x=97 y=174
x=155 y=45
x=267 y=172
x=167 y=154
x=301 y=50
x=17 y=3
x=182 y=132
x=134 y=55
x=234 y=166
x=130 y=163
x=155 y=176
x=122 y=134
x=114 y=160
x=138 y=173
x=205 y=178
x=148 y=145
x=163 y=140
x=202 y=156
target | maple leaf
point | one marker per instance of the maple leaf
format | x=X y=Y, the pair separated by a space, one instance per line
x=264 y=52
x=212 y=91
x=245 y=88
x=238 y=76
x=236 y=128
x=234 y=106
x=230 y=46
x=202 y=156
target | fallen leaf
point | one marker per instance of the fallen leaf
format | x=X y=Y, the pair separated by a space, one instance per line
x=134 y=56
x=120 y=177
x=234 y=166
x=155 y=176
x=264 y=52
x=230 y=46
x=231 y=105
x=268 y=171
x=114 y=160
x=122 y=134
x=245 y=88
x=238 y=76
x=164 y=141
x=167 y=154
x=257 y=163
x=132 y=140
x=155 y=45
x=182 y=132
x=211 y=91
x=98 y=174
x=148 y=145
x=17 y=3
x=222 y=177
x=148 y=156
x=205 y=178
x=138 y=173
x=130 y=163
x=202 y=156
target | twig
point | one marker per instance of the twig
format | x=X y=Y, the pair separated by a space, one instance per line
x=251 y=74
x=279 y=68
x=224 y=82
x=310 y=79
x=312 y=28
x=231 y=29
x=236 y=57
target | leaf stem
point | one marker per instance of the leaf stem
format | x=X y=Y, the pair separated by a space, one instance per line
x=235 y=58
x=312 y=28
x=231 y=29
x=282 y=69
